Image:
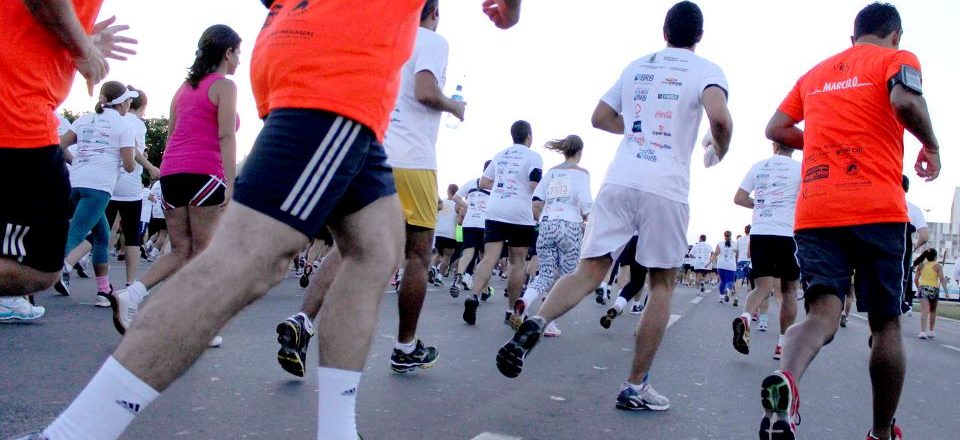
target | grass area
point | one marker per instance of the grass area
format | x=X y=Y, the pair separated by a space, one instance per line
x=946 y=309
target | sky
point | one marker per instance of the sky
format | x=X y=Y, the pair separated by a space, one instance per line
x=553 y=67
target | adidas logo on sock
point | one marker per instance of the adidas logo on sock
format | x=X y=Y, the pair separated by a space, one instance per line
x=129 y=406
x=350 y=392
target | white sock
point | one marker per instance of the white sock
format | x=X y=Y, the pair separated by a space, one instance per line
x=620 y=303
x=137 y=291
x=530 y=296
x=307 y=322
x=780 y=341
x=746 y=316
x=406 y=348
x=336 y=416
x=105 y=408
x=67 y=267
x=603 y=286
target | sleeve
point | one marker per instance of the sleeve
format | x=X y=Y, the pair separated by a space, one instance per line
x=536 y=168
x=916 y=216
x=899 y=59
x=433 y=57
x=586 y=197
x=956 y=269
x=465 y=189
x=614 y=96
x=541 y=192
x=491 y=171
x=127 y=138
x=749 y=184
x=75 y=126
x=713 y=76
x=792 y=105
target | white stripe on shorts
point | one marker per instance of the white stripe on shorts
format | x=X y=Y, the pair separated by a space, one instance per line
x=308 y=171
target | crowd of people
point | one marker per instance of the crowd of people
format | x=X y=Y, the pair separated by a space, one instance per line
x=342 y=183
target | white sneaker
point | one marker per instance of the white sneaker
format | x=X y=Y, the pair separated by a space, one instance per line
x=762 y=326
x=468 y=281
x=636 y=309
x=216 y=341
x=922 y=335
x=19 y=308
x=125 y=308
x=552 y=331
x=931 y=335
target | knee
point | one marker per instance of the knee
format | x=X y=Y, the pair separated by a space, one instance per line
x=40 y=281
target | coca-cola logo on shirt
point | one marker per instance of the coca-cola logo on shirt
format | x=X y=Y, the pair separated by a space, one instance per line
x=664 y=114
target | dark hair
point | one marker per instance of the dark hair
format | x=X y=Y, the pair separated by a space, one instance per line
x=568 y=146
x=213 y=45
x=109 y=91
x=452 y=188
x=906 y=183
x=140 y=101
x=703 y=237
x=520 y=131
x=747 y=229
x=683 y=25
x=486 y=164
x=428 y=8
x=726 y=236
x=931 y=254
x=878 y=19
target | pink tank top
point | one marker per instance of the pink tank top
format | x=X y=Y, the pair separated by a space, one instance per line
x=194 y=146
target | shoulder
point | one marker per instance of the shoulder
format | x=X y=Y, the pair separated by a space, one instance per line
x=224 y=85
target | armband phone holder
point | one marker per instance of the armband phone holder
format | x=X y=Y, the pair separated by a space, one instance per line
x=909 y=78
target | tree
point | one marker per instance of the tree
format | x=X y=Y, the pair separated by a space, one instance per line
x=156 y=138
x=71 y=115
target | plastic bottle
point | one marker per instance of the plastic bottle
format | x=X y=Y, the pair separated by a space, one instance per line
x=453 y=121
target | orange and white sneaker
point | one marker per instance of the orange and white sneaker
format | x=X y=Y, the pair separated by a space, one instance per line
x=781 y=407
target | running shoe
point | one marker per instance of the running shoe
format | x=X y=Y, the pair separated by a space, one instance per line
x=601 y=298
x=19 y=308
x=702 y=289
x=63 y=285
x=736 y=302
x=293 y=337
x=508 y=318
x=726 y=298
x=781 y=405
x=762 y=326
x=470 y=309
x=607 y=319
x=777 y=353
x=644 y=398
x=456 y=285
x=510 y=357
x=755 y=316
x=741 y=335
x=636 y=309
x=103 y=299
x=487 y=293
x=143 y=253
x=519 y=307
x=81 y=272
x=467 y=281
x=931 y=335
x=122 y=257
x=217 y=341
x=421 y=357
x=922 y=335
x=895 y=433
x=438 y=280
x=552 y=331
x=432 y=275
x=125 y=308
x=720 y=299
x=305 y=277
x=843 y=320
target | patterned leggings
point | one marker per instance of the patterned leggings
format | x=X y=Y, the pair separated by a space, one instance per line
x=559 y=251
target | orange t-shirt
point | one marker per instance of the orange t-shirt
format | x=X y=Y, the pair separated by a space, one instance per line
x=340 y=56
x=853 y=142
x=36 y=73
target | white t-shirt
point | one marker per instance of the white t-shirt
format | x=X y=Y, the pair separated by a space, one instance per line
x=130 y=185
x=146 y=208
x=100 y=137
x=511 y=200
x=743 y=248
x=688 y=260
x=158 y=196
x=727 y=258
x=566 y=194
x=775 y=183
x=411 y=139
x=659 y=98
x=476 y=199
x=701 y=255
x=916 y=216
x=447 y=220
x=63 y=125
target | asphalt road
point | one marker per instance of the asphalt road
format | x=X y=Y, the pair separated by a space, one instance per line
x=567 y=390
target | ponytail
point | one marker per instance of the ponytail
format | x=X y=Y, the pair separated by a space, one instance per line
x=568 y=146
x=213 y=45
x=109 y=91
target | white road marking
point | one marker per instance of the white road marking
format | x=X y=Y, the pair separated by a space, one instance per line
x=950 y=347
x=858 y=316
x=492 y=436
x=673 y=318
x=697 y=300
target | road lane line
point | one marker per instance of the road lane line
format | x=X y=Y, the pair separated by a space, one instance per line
x=673 y=318
x=492 y=436
x=950 y=347
x=697 y=300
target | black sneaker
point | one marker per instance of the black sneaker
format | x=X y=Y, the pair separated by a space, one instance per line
x=607 y=319
x=80 y=272
x=293 y=339
x=422 y=357
x=455 y=286
x=601 y=298
x=486 y=294
x=432 y=276
x=143 y=253
x=63 y=285
x=470 y=309
x=511 y=355
x=305 y=278
x=122 y=257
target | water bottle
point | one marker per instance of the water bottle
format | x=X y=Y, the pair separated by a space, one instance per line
x=453 y=121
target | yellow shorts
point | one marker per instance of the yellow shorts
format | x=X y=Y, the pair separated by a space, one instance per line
x=417 y=190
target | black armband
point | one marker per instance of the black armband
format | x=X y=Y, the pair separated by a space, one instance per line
x=536 y=175
x=909 y=78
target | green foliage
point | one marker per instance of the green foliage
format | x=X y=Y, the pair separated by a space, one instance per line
x=156 y=139
x=71 y=115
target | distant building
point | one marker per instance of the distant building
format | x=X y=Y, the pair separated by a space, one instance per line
x=945 y=237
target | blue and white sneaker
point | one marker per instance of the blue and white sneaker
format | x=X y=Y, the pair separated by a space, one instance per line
x=19 y=308
x=642 y=398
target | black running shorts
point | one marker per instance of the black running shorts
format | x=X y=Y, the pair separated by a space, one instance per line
x=774 y=256
x=444 y=243
x=35 y=210
x=308 y=166
x=129 y=219
x=513 y=235
x=473 y=238
x=186 y=189
x=830 y=256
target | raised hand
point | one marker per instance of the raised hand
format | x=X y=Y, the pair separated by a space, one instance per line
x=503 y=13
x=111 y=45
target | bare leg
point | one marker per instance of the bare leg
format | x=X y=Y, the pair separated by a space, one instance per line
x=804 y=340
x=887 y=369
x=179 y=225
x=759 y=296
x=18 y=280
x=518 y=256
x=924 y=315
x=653 y=323
x=571 y=289
x=78 y=252
x=465 y=260
x=788 y=305
x=491 y=253
x=413 y=286
x=933 y=315
x=320 y=284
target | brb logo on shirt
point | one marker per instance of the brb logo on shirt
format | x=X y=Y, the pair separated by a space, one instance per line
x=644 y=78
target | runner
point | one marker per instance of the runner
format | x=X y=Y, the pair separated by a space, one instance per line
x=646 y=191
x=157 y=229
x=511 y=179
x=411 y=150
x=630 y=292
x=199 y=164
x=561 y=202
x=473 y=200
x=701 y=262
x=106 y=144
x=445 y=237
x=929 y=280
x=744 y=265
x=851 y=213
x=917 y=225
x=724 y=258
x=774 y=182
